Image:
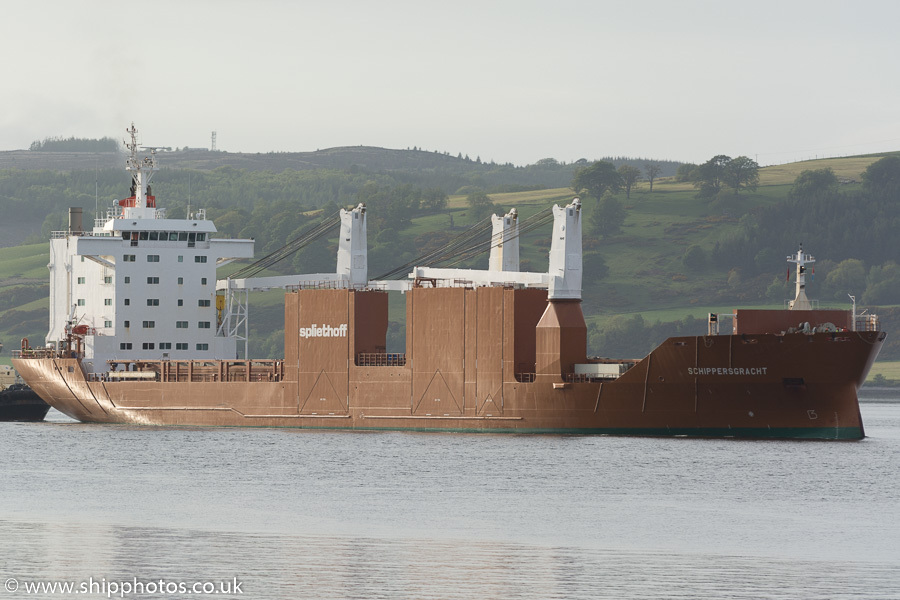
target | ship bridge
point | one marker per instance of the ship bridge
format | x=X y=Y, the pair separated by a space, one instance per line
x=138 y=285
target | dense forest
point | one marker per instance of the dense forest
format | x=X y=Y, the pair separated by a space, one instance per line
x=74 y=144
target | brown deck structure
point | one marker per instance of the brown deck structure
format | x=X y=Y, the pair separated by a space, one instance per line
x=490 y=359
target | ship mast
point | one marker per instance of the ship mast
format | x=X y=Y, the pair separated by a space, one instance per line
x=800 y=301
x=142 y=171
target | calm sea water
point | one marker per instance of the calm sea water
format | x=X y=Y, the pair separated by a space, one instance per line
x=300 y=514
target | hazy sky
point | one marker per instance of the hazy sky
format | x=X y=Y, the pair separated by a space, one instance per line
x=506 y=81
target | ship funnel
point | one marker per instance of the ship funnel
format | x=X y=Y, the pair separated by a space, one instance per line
x=75 y=220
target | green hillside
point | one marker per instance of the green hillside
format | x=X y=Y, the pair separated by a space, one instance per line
x=676 y=258
x=23 y=294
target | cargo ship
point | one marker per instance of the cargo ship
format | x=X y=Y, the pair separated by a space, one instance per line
x=141 y=332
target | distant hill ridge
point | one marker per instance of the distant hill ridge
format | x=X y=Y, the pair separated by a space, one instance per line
x=344 y=157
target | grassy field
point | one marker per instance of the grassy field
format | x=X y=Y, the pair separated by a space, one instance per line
x=889 y=369
x=23 y=267
x=844 y=168
x=24 y=262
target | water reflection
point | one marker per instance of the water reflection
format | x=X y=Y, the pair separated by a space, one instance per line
x=298 y=514
x=272 y=566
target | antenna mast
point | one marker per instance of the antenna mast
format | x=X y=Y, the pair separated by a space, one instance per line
x=801 y=302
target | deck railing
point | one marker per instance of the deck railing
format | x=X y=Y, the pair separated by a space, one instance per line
x=867 y=323
x=380 y=359
x=193 y=371
x=35 y=353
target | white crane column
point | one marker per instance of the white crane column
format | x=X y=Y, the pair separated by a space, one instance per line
x=505 y=242
x=352 y=256
x=565 y=252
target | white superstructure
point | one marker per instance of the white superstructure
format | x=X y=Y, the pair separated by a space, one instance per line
x=139 y=285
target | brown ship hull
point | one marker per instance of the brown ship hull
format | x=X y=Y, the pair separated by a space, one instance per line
x=753 y=386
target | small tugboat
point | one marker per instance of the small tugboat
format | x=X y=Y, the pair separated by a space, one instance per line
x=18 y=402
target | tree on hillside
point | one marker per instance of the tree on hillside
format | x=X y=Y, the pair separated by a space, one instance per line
x=480 y=203
x=434 y=200
x=231 y=223
x=608 y=216
x=685 y=172
x=73 y=144
x=694 y=258
x=741 y=173
x=883 y=284
x=630 y=176
x=882 y=177
x=814 y=184
x=652 y=169
x=548 y=163
x=597 y=179
x=708 y=177
x=848 y=277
